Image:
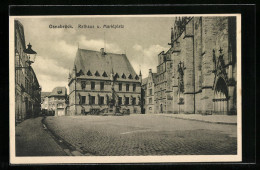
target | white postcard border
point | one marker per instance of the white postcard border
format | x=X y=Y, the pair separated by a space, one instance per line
x=120 y=159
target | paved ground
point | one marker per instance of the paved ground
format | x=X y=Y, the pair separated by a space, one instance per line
x=220 y=119
x=143 y=135
x=33 y=140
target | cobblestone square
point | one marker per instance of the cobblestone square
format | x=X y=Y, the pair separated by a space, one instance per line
x=143 y=135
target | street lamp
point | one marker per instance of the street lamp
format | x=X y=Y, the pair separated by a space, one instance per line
x=31 y=54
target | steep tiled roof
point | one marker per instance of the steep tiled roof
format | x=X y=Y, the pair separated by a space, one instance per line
x=93 y=62
x=58 y=91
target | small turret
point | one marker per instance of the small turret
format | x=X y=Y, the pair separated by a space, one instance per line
x=75 y=70
x=140 y=77
x=172 y=38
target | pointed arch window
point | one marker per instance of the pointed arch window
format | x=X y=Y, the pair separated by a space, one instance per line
x=123 y=76
x=130 y=76
x=89 y=73
x=97 y=73
x=104 y=74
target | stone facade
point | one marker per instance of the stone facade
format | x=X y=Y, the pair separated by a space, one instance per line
x=163 y=79
x=45 y=105
x=45 y=100
x=150 y=90
x=198 y=72
x=143 y=95
x=100 y=80
x=27 y=88
x=57 y=101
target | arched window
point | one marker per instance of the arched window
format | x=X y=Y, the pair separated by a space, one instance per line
x=220 y=101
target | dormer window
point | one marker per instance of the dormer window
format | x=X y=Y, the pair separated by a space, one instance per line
x=89 y=73
x=130 y=76
x=97 y=73
x=80 y=73
x=104 y=74
x=136 y=77
x=59 y=91
x=116 y=75
x=123 y=76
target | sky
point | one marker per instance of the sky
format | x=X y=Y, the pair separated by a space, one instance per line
x=141 y=39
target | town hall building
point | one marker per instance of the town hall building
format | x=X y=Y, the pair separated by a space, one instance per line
x=100 y=81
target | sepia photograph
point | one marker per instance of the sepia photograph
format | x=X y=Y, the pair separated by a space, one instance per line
x=125 y=88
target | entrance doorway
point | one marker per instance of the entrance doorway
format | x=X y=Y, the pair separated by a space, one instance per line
x=220 y=101
x=161 y=108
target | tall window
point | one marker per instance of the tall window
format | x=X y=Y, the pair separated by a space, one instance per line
x=92 y=85
x=83 y=99
x=83 y=84
x=150 y=91
x=120 y=86
x=101 y=85
x=150 y=100
x=92 y=100
x=134 y=87
x=127 y=87
x=101 y=100
x=134 y=101
x=127 y=101
x=119 y=100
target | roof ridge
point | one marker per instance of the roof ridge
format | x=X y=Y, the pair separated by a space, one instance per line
x=100 y=52
x=89 y=60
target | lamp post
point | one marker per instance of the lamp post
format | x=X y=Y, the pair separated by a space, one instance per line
x=31 y=54
x=30 y=58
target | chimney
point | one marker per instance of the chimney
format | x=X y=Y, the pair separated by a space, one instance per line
x=102 y=51
x=150 y=70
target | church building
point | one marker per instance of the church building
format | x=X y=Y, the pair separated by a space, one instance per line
x=100 y=81
x=198 y=74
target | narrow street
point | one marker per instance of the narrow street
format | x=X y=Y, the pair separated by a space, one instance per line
x=33 y=140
